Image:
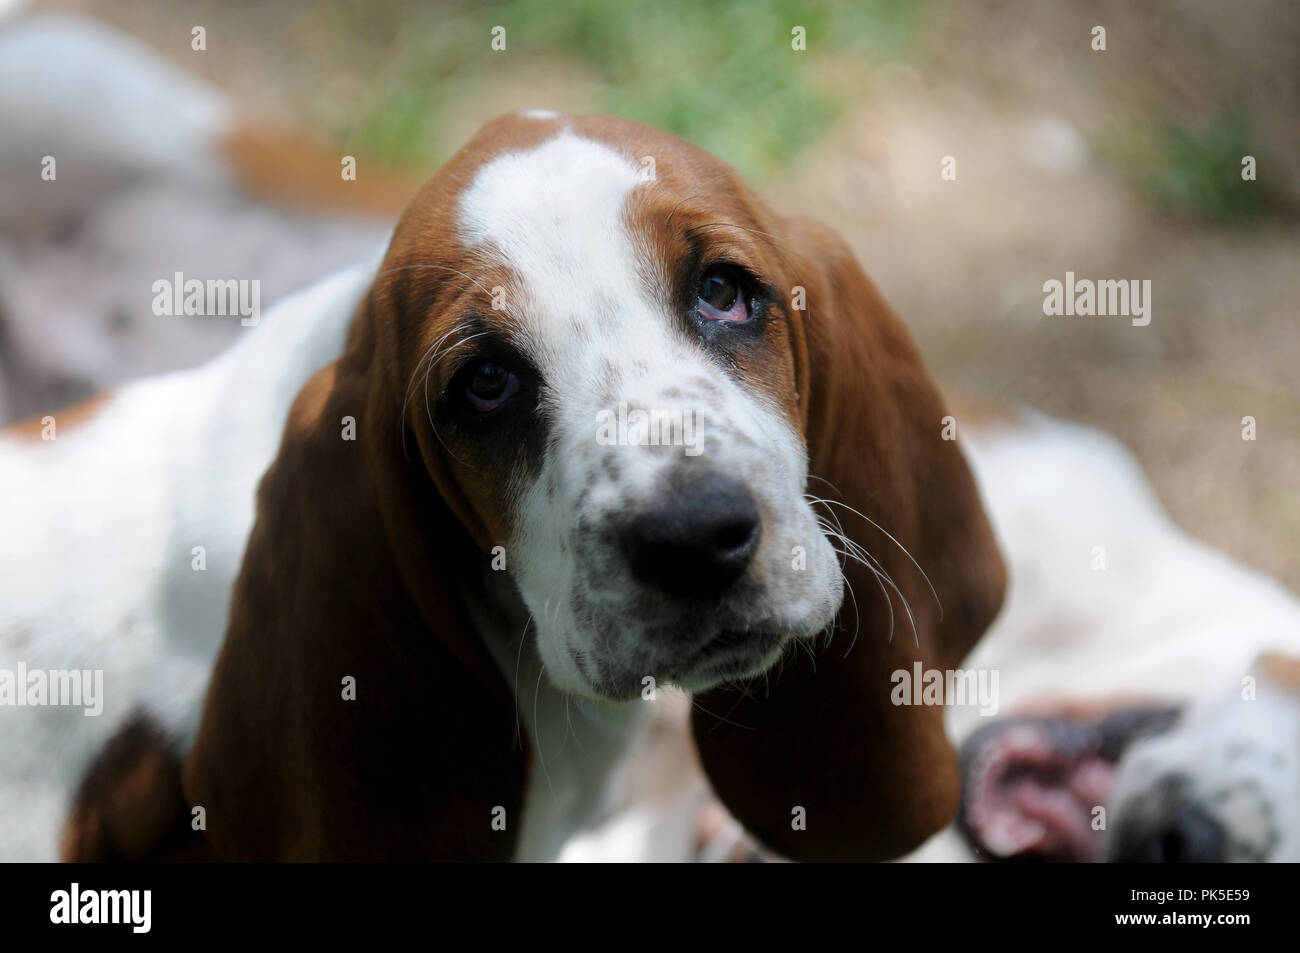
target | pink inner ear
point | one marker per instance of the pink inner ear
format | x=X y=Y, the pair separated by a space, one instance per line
x=1028 y=796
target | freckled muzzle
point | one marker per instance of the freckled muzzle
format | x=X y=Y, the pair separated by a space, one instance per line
x=693 y=568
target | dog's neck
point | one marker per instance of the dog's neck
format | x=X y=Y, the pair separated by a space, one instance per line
x=576 y=747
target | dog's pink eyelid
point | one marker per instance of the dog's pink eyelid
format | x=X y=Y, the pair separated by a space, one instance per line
x=739 y=310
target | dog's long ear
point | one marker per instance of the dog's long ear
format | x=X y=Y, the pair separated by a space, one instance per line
x=821 y=763
x=352 y=713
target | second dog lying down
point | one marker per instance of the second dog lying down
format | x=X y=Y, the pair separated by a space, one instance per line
x=1112 y=605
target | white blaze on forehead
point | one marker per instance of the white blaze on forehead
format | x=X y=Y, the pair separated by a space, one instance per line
x=556 y=215
x=554 y=208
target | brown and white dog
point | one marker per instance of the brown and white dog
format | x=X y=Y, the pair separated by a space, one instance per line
x=564 y=458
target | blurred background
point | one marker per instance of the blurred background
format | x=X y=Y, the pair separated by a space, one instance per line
x=1123 y=163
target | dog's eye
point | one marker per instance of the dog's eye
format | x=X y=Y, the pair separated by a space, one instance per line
x=720 y=296
x=489 y=385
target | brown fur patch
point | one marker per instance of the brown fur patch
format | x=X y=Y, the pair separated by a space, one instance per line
x=64 y=420
x=286 y=169
x=310 y=402
x=1282 y=670
x=873 y=779
x=129 y=806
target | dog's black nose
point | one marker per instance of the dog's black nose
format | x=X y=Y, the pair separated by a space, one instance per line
x=1186 y=835
x=698 y=540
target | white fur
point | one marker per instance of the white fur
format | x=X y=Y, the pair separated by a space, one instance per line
x=1239 y=755
x=99 y=526
x=1168 y=618
x=577 y=747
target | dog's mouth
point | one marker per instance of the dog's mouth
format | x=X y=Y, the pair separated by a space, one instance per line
x=698 y=665
x=731 y=654
x=1032 y=786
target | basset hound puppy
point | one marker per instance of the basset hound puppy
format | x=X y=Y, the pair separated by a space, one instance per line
x=603 y=423
x=475 y=558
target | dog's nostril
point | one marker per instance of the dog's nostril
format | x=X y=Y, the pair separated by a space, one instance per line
x=1192 y=836
x=736 y=535
x=1173 y=847
x=1186 y=835
x=698 y=540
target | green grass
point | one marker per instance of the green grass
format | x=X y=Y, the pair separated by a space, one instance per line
x=720 y=73
x=1192 y=170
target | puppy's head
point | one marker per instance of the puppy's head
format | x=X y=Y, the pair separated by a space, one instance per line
x=1223 y=784
x=1215 y=780
x=603 y=370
